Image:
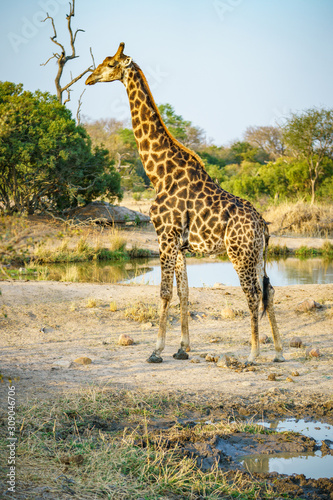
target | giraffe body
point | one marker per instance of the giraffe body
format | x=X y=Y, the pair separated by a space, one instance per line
x=191 y=212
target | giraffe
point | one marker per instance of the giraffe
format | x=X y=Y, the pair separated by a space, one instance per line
x=191 y=213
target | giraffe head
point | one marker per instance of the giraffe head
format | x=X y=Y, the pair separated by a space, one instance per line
x=112 y=68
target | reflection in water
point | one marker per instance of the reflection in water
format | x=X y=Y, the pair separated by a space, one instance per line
x=94 y=272
x=313 y=464
x=290 y=271
x=201 y=272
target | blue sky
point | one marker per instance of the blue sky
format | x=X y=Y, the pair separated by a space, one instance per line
x=223 y=64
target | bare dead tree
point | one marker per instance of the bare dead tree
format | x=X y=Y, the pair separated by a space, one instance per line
x=61 y=56
x=78 y=111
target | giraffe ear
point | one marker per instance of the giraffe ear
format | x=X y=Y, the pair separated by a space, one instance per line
x=127 y=61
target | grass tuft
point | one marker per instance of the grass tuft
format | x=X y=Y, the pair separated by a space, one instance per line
x=142 y=312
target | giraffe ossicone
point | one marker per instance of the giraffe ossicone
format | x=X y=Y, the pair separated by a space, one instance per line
x=191 y=212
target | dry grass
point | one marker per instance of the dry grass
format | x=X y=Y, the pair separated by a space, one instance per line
x=113 y=306
x=70 y=447
x=46 y=240
x=301 y=218
x=91 y=302
x=142 y=312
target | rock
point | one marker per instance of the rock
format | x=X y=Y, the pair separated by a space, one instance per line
x=218 y=286
x=314 y=353
x=228 y=313
x=203 y=354
x=212 y=358
x=223 y=361
x=102 y=212
x=289 y=379
x=125 y=340
x=61 y=363
x=295 y=373
x=197 y=359
x=271 y=376
x=308 y=305
x=264 y=339
x=83 y=360
x=296 y=342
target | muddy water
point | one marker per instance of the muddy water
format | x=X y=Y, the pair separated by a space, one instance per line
x=313 y=464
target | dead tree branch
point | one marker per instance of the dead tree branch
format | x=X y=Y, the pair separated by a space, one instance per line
x=61 y=56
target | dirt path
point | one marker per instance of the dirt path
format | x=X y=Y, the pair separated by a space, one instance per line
x=47 y=325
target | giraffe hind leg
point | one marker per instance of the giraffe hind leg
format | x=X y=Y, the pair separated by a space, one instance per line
x=269 y=306
x=249 y=283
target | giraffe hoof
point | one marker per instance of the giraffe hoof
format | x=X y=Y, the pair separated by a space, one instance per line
x=154 y=359
x=181 y=354
x=249 y=363
x=279 y=359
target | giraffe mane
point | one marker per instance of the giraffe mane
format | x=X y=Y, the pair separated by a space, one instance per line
x=174 y=140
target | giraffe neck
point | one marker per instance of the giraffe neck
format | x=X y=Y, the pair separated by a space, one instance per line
x=154 y=140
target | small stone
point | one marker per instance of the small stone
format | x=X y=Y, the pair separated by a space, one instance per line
x=61 y=363
x=83 y=360
x=295 y=373
x=215 y=340
x=212 y=358
x=271 y=376
x=264 y=339
x=296 y=342
x=125 y=340
x=203 y=354
x=223 y=361
x=197 y=359
x=308 y=305
x=228 y=313
x=314 y=353
x=289 y=379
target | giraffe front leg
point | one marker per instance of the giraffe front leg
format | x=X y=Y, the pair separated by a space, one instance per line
x=254 y=335
x=160 y=344
x=167 y=270
x=182 y=290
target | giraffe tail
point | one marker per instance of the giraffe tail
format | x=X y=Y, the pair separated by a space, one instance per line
x=265 y=282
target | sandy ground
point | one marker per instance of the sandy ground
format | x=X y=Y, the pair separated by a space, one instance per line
x=47 y=325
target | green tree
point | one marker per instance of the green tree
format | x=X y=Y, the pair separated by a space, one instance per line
x=269 y=139
x=183 y=130
x=46 y=161
x=309 y=137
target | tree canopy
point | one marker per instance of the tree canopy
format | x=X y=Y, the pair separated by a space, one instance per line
x=309 y=136
x=46 y=160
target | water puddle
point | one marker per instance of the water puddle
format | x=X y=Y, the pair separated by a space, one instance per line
x=314 y=464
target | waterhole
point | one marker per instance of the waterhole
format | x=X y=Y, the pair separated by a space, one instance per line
x=201 y=272
x=314 y=464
